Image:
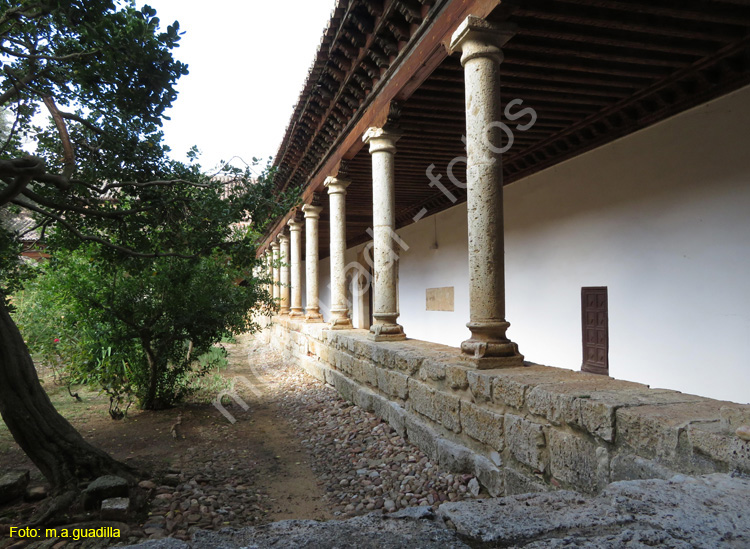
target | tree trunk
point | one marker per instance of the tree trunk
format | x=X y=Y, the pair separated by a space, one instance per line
x=60 y=452
x=150 y=402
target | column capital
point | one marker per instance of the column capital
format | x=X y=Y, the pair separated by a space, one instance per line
x=336 y=185
x=476 y=37
x=283 y=238
x=312 y=212
x=294 y=225
x=381 y=139
x=274 y=247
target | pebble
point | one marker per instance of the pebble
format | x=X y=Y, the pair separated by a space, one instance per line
x=361 y=463
x=473 y=487
x=743 y=432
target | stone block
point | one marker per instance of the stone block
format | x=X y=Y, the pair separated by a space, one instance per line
x=510 y=386
x=115 y=509
x=480 y=385
x=323 y=351
x=345 y=362
x=314 y=368
x=726 y=452
x=630 y=467
x=407 y=361
x=422 y=399
x=422 y=436
x=363 y=348
x=397 y=418
x=394 y=384
x=456 y=376
x=439 y=406
x=482 y=425
x=432 y=370
x=381 y=406
x=313 y=347
x=350 y=344
x=13 y=485
x=454 y=457
x=516 y=482
x=363 y=398
x=104 y=487
x=490 y=476
x=449 y=408
x=526 y=442
x=734 y=416
x=653 y=432
x=345 y=386
x=591 y=404
x=577 y=461
x=364 y=371
x=382 y=356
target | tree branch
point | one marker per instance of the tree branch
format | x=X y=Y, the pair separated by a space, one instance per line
x=88 y=238
x=28 y=193
x=22 y=171
x=89 y=125
x=15 y=188
x=36 y=167
x=41 y=56
x=69 y=155
x=18 y=85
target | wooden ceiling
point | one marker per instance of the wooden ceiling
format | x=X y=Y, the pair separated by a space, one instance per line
x=593 y=71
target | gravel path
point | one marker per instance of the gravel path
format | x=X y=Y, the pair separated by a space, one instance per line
x=359 y=459
x=341 y=460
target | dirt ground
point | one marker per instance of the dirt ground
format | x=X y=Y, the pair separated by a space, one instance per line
x=258 y=453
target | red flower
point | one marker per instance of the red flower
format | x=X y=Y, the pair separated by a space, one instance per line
x=57 y=340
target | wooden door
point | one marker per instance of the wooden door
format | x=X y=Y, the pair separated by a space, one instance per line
x=595 y=320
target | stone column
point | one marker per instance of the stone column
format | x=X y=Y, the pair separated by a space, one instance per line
x=275 y=270
x=385 y=251
x=479 y=43
x=285 y=273
x=269 y=268
x=295 y=231
x=312 y=307
x=339 y=307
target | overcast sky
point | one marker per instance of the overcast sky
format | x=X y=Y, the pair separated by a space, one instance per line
x=248 y=61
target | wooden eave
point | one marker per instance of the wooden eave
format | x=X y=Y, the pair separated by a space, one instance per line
x=593 y=70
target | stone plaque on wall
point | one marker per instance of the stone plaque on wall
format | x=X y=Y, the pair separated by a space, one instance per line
x=440 y=299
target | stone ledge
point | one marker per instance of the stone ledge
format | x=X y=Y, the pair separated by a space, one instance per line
x=552 y=427
x=681 y=512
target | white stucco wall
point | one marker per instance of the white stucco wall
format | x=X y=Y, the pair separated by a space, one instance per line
x=661 y=217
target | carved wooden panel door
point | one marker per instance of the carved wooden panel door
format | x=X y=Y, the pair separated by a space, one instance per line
x=595 y=319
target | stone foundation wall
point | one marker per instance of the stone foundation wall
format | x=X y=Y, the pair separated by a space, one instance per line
x=521 y=430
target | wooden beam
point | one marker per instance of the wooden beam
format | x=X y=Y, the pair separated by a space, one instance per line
x=420 y=57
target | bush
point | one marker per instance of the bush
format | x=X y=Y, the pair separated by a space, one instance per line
x=144 y=333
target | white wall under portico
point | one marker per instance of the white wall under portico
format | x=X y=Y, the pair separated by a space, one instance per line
x=660 y=217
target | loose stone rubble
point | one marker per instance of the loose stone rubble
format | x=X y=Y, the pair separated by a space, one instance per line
x=683 y=512
x=361 y=462
x=364 y=463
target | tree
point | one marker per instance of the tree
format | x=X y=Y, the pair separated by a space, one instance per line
x=158 y=314
x=100 y=174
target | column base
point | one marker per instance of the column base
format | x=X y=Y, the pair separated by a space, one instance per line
x=284 y=312
x=341 y=324
x=488 y=348
x=296 y=313
x=313 y=317
x=494 y=362
x=386 y=332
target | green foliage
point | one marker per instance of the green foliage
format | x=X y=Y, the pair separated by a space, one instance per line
x=12 y=271
x=147 y=252
x=127 y=326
